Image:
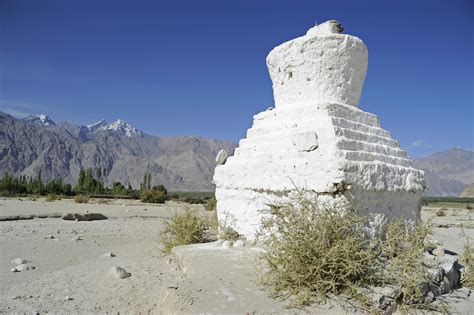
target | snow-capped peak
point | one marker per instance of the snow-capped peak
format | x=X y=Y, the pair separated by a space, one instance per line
x=97 y=125
x=118 y=125
x=40 y=119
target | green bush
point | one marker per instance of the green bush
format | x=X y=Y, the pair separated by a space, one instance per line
x=153 y=196
x=183 y=229
x=81 y=199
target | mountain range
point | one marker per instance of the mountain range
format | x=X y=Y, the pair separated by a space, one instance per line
x=447 y=173
x=37 y=143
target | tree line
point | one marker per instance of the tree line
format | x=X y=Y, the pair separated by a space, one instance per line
x=90 y=182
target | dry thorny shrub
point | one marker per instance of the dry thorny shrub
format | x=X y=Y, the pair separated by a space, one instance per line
x=313 y=251
x=468 y=260
x=182 y=229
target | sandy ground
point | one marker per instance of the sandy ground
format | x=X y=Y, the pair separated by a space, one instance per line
x=72 y=273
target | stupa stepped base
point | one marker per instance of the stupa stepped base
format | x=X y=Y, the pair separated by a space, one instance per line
x=337 y=151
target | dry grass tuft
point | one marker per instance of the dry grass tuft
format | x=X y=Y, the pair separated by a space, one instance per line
x=182 y=229
x=52 y=197
x=81 y=199
x=467 y=259
x=211 y=204
x=441 y=212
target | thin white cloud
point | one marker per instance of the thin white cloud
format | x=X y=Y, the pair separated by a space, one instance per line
x=420 y=144
x=14 y=112
x=20 y=109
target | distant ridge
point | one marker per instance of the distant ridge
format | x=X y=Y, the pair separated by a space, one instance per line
x=468 y=192
x=449 y=172
x=37 y=143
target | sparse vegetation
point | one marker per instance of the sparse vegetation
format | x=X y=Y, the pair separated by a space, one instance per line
x=155 y=195
x=226 y=229
x=469 y=207
x=441 y=212
x=182 y=229
x=314 y=251
x=403 y=246
x=81 y=199
x=467 y=259
x=52 y=197
x=211 y=204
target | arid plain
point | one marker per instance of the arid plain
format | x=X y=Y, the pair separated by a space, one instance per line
x=72 y=266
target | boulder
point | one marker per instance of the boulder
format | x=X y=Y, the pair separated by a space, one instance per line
x=84 y=216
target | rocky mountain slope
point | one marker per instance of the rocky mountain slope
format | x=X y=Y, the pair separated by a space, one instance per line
x=60 y=150
x=468 y=192
x=447 y=173
x=180 y=163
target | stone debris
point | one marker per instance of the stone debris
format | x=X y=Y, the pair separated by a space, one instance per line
x=19 y=261
x=119 y=272
x=239 y=243
x=226 y=244
x=221 y=157
x=23 y=267
x=84 y=217
x=439 y=251
x=318 y=139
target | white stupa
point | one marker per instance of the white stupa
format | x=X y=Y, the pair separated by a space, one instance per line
x=316 y=138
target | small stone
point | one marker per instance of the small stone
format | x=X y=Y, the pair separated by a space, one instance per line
x=239 y=243
x=226 y=244
x=439 y=251
x=109 y=255
x=23 y=267
x=16 y=297
x=430 y=297
x=119 y=272
x=19 y=261
x=221 y=157
x=68 y=298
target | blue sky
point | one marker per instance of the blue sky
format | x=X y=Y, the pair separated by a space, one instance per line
x=198 y=67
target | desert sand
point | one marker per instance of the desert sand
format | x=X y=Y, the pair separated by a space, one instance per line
x=72 y=263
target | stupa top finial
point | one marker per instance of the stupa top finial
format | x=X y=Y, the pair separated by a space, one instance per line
x=328 y=27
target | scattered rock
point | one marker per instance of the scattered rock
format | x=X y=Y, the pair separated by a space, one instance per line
x=76 y=238
x=119 y=272
x=239 y=243
x=439 y=251
x=84 y=217
x=221 y=157
x=68 y=298
x=19 y=261
x=226 y=244
x=23 y=267
x=109 y=255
